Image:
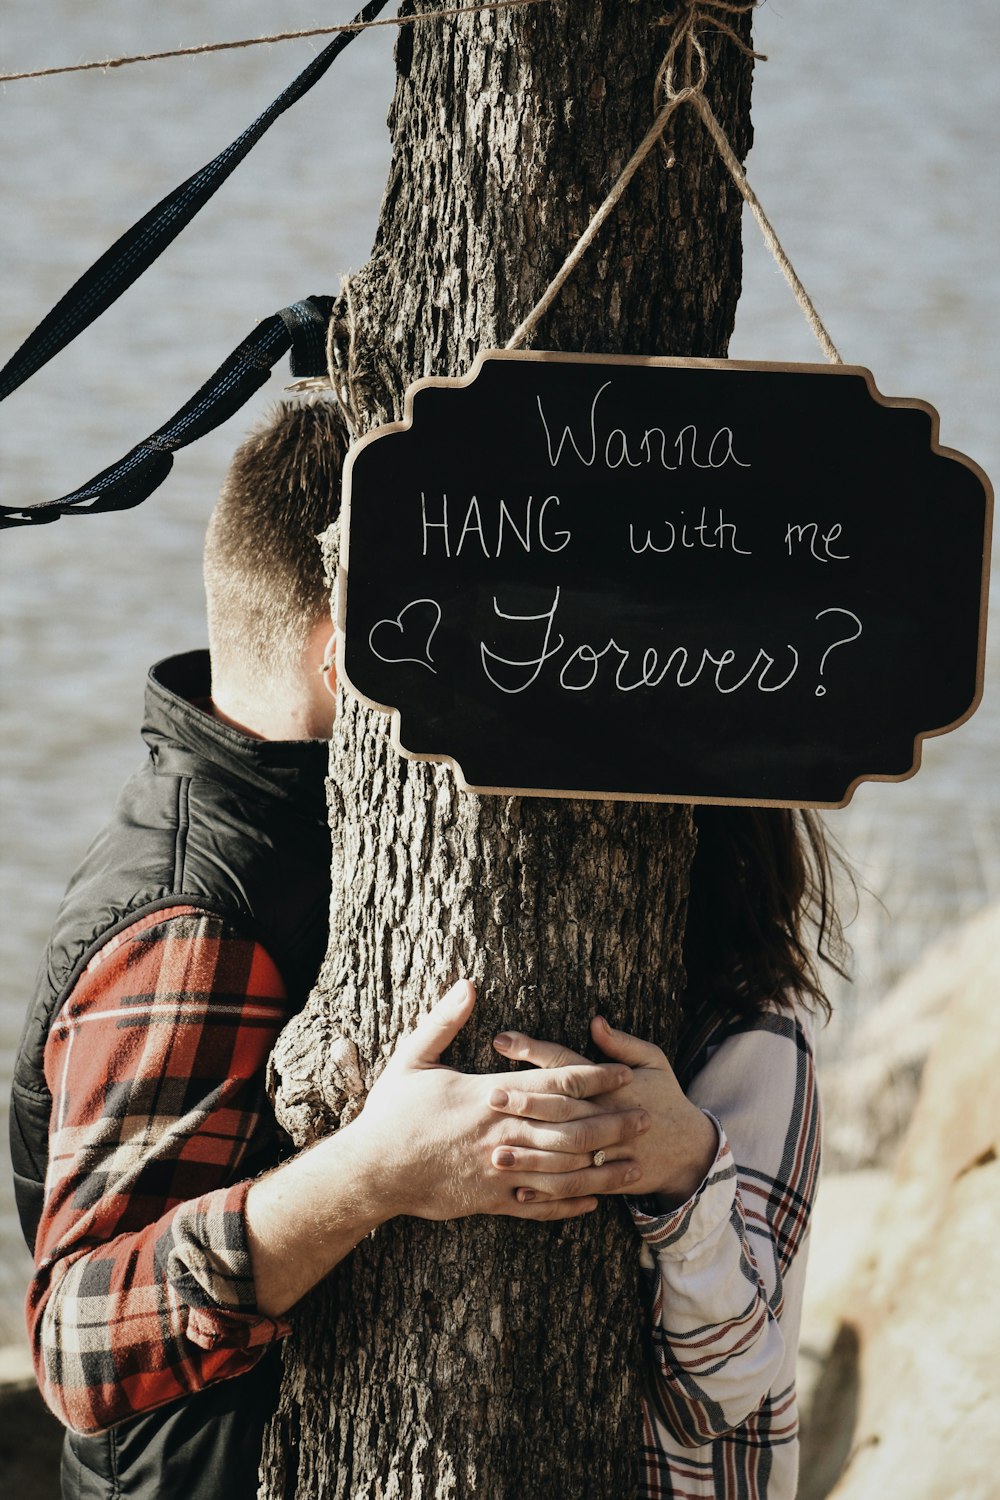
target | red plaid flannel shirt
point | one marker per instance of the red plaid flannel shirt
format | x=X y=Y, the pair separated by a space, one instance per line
x=143 y=1290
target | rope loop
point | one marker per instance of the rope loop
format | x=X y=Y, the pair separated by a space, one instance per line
x=688 y=21
x=684 y=38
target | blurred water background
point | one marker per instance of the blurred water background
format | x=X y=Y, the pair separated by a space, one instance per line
x=877 y=138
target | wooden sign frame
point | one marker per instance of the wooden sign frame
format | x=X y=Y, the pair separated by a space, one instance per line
x=613 y=363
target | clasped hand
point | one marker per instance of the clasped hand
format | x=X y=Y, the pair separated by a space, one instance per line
x=669 y=1157
x=442 y=1144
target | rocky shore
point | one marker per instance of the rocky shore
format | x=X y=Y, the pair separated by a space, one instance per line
x=901 y=1343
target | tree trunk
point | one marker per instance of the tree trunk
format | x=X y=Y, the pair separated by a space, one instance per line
x=494 y=1358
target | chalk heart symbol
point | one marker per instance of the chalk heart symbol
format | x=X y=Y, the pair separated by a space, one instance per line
x=411 y=631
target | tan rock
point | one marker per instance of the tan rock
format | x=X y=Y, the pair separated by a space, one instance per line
x=840 y=1239
x=870 y=1092
x=911 y=1396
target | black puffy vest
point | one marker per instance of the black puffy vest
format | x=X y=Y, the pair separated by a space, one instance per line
x=236 y=827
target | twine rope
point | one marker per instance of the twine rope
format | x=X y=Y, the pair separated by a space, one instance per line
x=262 y=41
x=687 y=51
x=771 y=240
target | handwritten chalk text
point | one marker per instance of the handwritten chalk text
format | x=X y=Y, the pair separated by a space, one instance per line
x=726 y=671
x=503 y=527
x=689 y=534
x=820 y=543
x=614 y=448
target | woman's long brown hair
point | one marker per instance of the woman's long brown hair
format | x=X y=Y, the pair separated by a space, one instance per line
x=762 y=914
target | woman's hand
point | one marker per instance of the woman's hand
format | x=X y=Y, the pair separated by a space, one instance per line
x=435 y=1143
x=673 y=1154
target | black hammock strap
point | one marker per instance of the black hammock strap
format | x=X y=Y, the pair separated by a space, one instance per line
x=116 y=270
x=301 y=328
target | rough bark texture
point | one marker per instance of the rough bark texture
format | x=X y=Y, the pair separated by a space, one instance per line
x=492 y=1358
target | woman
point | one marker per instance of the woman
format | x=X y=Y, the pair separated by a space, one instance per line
x=730 y=1158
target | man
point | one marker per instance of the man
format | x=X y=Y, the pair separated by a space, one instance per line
x=190 y=934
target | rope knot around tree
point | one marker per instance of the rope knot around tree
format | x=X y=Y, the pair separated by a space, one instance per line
x=684 y=70
x=687 y=17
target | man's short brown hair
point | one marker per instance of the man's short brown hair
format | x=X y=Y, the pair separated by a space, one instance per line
x=264 y=577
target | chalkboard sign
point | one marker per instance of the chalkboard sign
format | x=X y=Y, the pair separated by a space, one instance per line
x=689 y=580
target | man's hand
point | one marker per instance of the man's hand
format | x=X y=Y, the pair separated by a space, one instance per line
x=433 y=1144
x=674 y=1154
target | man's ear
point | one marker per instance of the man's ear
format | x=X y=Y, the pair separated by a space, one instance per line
x=329 y=667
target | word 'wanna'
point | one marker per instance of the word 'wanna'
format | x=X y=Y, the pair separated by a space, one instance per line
x=615 y=448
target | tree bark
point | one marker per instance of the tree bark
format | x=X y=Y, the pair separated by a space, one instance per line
x=493 y=1358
